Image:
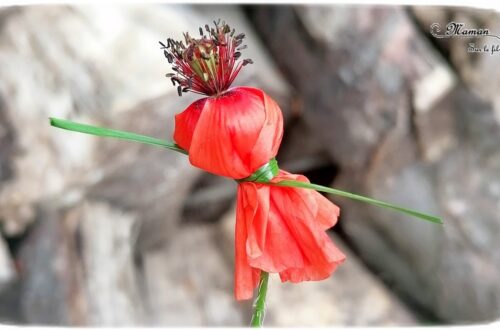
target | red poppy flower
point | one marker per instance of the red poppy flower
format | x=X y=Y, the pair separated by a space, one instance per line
x=233 y=133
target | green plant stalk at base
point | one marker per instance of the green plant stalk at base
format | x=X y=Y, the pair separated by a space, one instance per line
x=260 y=302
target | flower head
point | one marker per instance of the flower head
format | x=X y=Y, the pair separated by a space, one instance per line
x=206 y=65
x=235 y=132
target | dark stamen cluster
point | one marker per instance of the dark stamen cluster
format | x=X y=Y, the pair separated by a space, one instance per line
x=207 y=65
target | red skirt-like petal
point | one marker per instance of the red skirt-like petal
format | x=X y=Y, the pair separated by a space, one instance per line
x=282 y=230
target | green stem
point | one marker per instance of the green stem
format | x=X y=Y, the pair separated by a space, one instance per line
x=260 y=302
x=113 y=133
x=317 y=187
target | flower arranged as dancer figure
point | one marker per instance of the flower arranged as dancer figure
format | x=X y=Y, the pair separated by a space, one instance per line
x=236 y=132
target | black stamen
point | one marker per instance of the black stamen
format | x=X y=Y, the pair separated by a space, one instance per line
x=175 y=80
x=168 y=56
x=188 y=58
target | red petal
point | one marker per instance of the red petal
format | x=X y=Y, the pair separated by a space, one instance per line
x=271 y=133
x=246 y=278
x=327 y=212
x=257 y=204
x=185 y=124
x=307 y=226
x=281 y=250
x=236 y=133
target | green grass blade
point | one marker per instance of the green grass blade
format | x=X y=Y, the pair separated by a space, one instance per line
x=112 y=133
x=106 y=132
x=414 y=213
